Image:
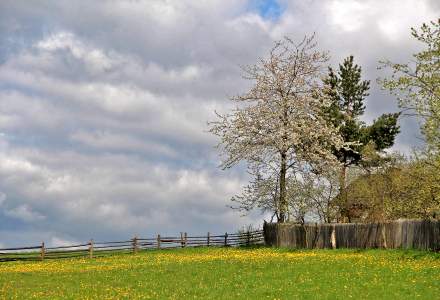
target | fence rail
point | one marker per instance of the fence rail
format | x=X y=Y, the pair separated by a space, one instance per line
x=136 y=244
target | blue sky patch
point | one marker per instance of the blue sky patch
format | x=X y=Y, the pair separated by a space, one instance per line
x=269 y=9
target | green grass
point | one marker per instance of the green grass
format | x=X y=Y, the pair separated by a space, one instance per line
x=259 y=273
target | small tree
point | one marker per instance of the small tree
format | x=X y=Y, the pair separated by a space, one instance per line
x=347 y=93
x=399 y=189
x=279 y=123
x=417 y=84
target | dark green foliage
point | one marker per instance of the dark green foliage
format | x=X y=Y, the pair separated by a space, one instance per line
x=347 y=92
x=383 y=131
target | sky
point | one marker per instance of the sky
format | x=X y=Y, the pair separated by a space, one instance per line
x=104 y=105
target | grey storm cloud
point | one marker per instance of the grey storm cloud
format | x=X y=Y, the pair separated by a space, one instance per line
x=104 y=105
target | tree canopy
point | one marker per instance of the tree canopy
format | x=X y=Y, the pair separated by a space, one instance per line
x=400 y=189
x=417 y=84
x=278 y=127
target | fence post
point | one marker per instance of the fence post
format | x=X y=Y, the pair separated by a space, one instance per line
x=135 y=244
x=158 y=241
x=226 y=239
x=248 y=242
x=91 y=248
x=43 y=251
x=182 y=243
x=186 y=239
x=208 y=239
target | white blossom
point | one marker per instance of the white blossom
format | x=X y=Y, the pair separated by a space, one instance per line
x=278 y=123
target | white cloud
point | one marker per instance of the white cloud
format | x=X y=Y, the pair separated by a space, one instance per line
x=398 y=16
x=25 y=213
x=60 y=242
x=111 y=141
x=348 y=15
x=95 y=59
x=392 y=18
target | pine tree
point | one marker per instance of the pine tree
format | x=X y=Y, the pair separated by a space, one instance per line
x=347 y=92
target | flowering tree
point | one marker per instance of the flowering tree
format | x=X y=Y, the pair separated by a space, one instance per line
x=417 y=84
x=278 y=127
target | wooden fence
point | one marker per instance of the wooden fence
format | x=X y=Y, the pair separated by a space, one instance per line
x=136 y=244
x=406 y=234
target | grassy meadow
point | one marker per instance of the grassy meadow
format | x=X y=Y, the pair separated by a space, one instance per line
x=228 y=273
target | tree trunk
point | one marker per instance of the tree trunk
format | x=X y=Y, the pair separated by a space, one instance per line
x=283 y=200
x=345 y=211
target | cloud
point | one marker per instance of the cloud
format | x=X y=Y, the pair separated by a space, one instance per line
x=24 y=213
x=60 y=242
x=348 y=15
x=392 y=19
x=104 y=105
x=2 y=198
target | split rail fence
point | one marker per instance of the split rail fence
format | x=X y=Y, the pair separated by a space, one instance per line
x=134 y=245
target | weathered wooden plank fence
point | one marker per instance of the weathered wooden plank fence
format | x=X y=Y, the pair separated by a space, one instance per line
x=96 y=249
x=406 y=234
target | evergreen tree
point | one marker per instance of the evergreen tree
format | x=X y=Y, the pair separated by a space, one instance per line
x=348 y=91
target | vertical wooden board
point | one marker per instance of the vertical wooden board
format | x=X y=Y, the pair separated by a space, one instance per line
x=289 y=236
x=419 y=239
x=318 y=238
x=312 y=236
x=407 y=234
x=339 y=235
x=353 y=237
x=286 y=236
x=434 y=245
x=379 y=238
x=293 y=234
x=362 y=236
x=391 y=235
x=295 y=237
x=323 y=236
x=437 y=236
x=302 y=237
x=397 y=234
x=326 y=236
x=281 y=236
x=430 y=237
